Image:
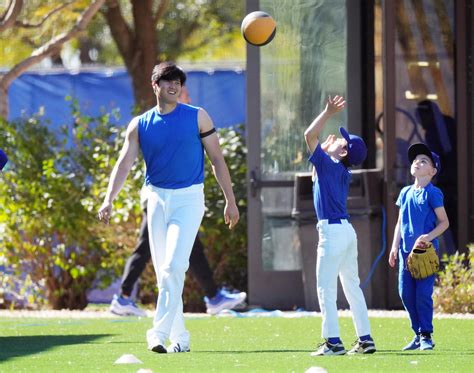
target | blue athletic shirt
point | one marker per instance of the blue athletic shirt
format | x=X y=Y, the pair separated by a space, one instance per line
x=417 y=213
x=331 y=186
x=171 y=147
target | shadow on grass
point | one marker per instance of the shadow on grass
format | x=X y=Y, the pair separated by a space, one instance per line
x=19 y=346
x=248 y=351
x=425 y=353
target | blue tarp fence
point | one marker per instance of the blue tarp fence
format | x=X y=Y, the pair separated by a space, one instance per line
x=220 y=92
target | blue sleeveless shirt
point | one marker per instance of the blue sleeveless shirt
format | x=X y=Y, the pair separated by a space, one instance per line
x=172 y=147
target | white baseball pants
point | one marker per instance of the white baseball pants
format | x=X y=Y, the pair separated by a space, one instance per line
x=337 y=256
x=174 y=217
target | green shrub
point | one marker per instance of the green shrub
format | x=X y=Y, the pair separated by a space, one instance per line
x=51 y=244
x=52 y=247
x=454 y=291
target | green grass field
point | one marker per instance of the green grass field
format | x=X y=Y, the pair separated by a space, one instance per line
x=225 y=345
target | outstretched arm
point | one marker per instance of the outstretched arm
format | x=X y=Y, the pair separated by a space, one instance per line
x=121 y=170
x=219 y=168
x=333 y=105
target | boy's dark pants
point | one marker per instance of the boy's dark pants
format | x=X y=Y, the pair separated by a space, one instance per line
x=198 y=264
x=417 y=298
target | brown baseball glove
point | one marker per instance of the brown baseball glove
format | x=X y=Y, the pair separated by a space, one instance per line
x=423 y=261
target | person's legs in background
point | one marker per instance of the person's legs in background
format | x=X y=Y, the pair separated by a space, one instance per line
x=122 y=304
x=216 y=299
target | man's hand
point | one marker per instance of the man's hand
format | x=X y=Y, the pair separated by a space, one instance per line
x=231 y=215
x=335 y=104
x=105 y=212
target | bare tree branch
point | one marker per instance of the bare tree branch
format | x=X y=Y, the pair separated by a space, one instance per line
x=45 y=18
x=46 y=50
x=8 y=19
x=162 y=8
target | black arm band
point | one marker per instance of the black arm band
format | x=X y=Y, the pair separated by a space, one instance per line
x=210 y=132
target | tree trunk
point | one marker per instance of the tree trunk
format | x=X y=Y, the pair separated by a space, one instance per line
x=137 y=46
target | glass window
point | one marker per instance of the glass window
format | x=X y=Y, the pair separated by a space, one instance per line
x=304 y=64
x=425 y=92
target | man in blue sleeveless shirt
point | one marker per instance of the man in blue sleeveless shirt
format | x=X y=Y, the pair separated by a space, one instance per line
x=172 y=137
x=337 y=245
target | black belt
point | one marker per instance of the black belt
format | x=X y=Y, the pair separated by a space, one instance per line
x=334 y=221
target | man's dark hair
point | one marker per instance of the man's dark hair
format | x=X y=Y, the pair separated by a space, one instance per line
x=168 y=71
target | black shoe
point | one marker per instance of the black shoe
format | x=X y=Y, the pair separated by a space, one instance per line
x=160 y=349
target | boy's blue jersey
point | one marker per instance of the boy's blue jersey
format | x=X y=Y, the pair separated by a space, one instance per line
x=172 y=147
x=331 y=186
x=417 y=213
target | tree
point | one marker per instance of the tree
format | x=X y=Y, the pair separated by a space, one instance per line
x=11 y=19
x=160 y=30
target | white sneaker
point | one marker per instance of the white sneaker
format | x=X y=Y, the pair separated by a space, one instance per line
x=154 y=342
x=177 y=347
x=125 y=307
x=327 y=348
x=224 y=301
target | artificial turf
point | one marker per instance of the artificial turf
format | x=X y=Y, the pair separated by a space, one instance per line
x=224 y=344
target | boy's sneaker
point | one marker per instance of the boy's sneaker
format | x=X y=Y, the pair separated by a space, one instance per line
x=363 y=347
x=413 y=345
x=224 y=301
x=327 y=348
x=426 y=344
x=177 y=347
x=125 y=307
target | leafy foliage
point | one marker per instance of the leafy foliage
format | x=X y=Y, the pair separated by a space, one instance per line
x=52 y=244
x=454 y=291
x=52 y=247
x=30 y=33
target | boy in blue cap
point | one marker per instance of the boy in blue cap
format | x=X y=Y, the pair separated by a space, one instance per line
x=422 y=218
x=3 y=159
x=337 y=246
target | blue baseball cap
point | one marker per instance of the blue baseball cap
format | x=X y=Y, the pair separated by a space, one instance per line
x=3 y=159
x=356 y=149
x=420 y=148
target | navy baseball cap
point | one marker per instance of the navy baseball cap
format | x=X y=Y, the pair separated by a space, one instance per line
x=356 y=149
x=420 y=148
x=3 y=159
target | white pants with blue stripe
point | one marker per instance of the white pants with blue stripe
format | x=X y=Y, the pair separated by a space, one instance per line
x=174 y=217
x=337 y=256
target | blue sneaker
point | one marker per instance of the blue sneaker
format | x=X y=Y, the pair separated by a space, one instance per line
x=426 y=343
x=223 y=301
x=125 y=307
x=413 y=345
